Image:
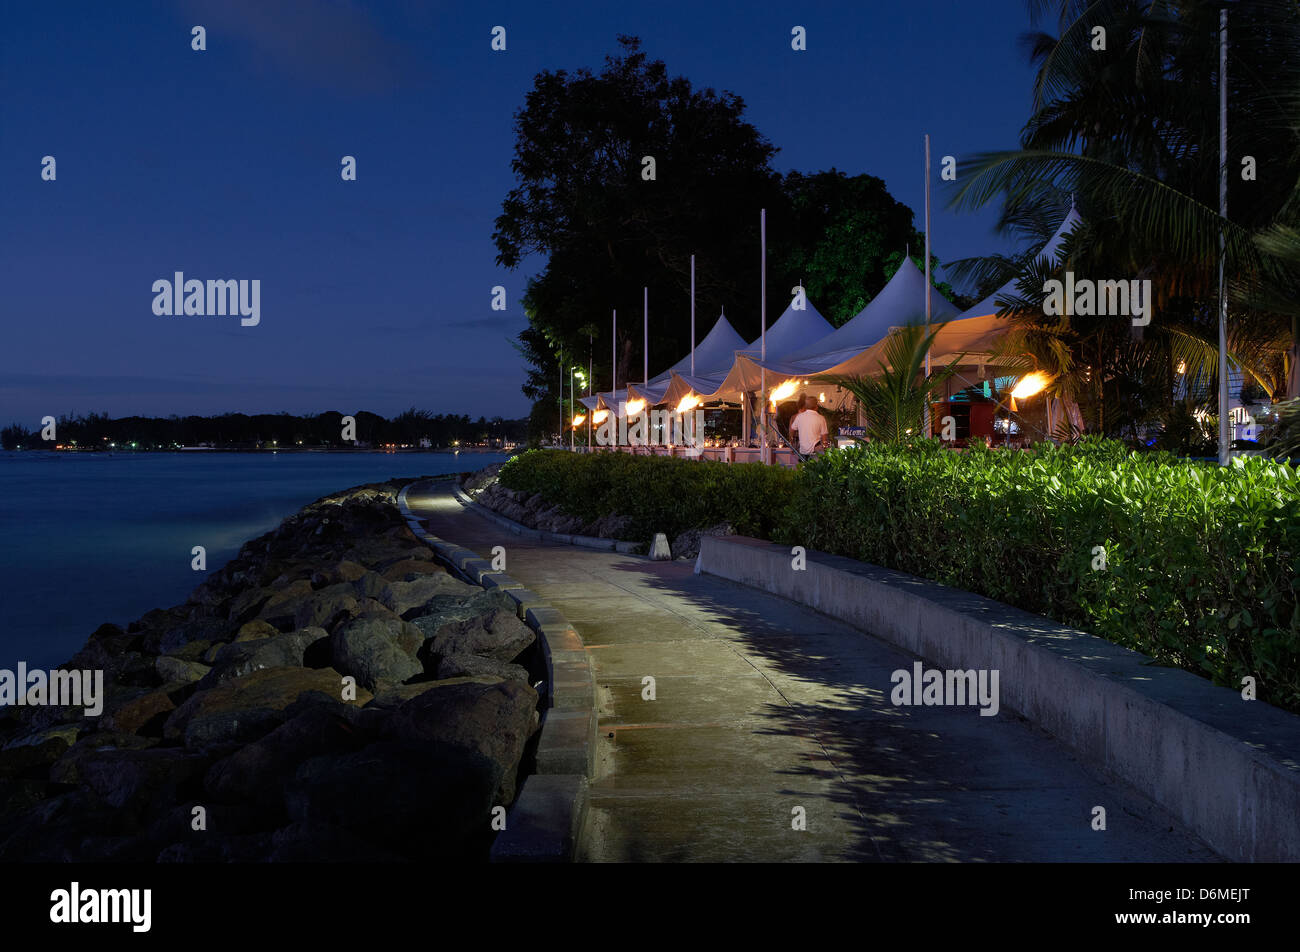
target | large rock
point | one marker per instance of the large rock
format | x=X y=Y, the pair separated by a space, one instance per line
x=145 y=711
x=494 y=721
x=469 y=665
x=281 y=608
x=390 y=697
x=177 y=669
x=687 y=545
x=257 y=773
x=249 y=707
x=128 y=778
x=487 y=624
x=419 y=800
x=327 y=607
x=245 y=606
x=375 y=647
x=344 y=571
x=403 y=597
x=370 y=585
x=410 y=569
x=206 y=630
x=243 y=657
x=255 y=630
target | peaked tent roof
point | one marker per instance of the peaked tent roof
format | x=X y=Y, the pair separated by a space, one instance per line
x=793 y=330
x=899 y=301
x=975 y=332
x=714 y=354
x=1051 y=250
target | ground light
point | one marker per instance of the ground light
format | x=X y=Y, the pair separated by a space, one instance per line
x=578 y=420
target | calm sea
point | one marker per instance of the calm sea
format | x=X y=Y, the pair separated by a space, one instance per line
x=92 y=538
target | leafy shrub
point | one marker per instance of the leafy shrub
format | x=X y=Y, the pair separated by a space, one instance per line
x=1200 y=561
x=657 y=493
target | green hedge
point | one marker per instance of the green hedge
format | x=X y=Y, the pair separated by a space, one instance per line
x=658 y=493
x=1200 y=561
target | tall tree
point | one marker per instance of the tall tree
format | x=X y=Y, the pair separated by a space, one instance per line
x=839 y=234
x=610 y=223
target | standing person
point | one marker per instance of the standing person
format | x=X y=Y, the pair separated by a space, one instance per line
x=811 y=427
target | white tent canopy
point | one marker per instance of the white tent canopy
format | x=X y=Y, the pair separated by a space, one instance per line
x=793 y=330
x=1050 y=250
x=899 y=301
x=714 y=354
x=801 y=344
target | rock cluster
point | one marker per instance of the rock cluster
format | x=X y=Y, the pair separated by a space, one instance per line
x=330 y=694
x=531 y=510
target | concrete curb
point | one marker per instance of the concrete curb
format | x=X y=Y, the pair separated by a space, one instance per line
x=542 y=535
x=546 y=819
x=1228 y=768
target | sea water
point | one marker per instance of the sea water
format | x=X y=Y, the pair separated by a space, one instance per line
x=88 y=538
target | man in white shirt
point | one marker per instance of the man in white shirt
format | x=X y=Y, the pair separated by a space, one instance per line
x=810 y=426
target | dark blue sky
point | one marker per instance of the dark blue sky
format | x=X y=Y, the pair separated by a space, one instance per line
x=376 y=293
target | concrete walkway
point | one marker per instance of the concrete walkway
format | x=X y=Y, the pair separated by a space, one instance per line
x=764 y=711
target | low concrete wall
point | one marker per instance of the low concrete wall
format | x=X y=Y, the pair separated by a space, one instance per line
x=546 y=819
x=1229 y=768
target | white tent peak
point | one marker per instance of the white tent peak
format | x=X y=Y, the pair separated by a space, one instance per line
x=1051 y=250
x=901 y=299
x=793 y=330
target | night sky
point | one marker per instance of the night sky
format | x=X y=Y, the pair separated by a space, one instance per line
x=375 y=294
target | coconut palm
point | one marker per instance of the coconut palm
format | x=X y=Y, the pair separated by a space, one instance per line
x=895 y=398
x=1131 y=132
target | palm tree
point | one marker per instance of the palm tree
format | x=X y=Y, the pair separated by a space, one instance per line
x=1131 y=132
x=894 y=400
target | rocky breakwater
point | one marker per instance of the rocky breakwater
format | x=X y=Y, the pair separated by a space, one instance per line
x=330 y=694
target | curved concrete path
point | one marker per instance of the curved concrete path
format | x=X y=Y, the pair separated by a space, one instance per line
x=765 y=711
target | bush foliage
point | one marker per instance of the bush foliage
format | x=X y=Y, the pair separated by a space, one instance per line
x=658 y=493
x=1199 y=561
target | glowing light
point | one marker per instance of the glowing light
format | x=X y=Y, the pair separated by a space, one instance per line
x=821 y=397
x=689 y=402
x=599 y=417
x=635 y=406
x=1030 y=384
x=783 y=391
x=1182 y=366
x=578 y=420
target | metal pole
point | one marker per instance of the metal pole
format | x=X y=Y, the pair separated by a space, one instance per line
x=762 y=243
x=1224 y=452
x=572 y=435
x=928 y=432
x=692 y=315
x=591 y=369
x=645 y=356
